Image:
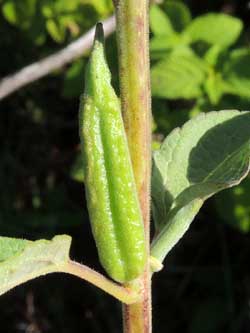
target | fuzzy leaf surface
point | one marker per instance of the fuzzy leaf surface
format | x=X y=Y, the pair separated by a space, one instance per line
x=208 y=154
x=22 y=260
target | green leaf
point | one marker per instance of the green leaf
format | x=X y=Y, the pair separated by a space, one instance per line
x=165 y=37
x=159 y=22
x=19 y=13
x=215 y=87
x=104 y=7
x=236 y=72
x=178 y=223
x=179 y=75
x=161 y=45
x=9 y=12
x=219 y=29
x=25 y=15
x=56 y=30
x=233 y=206
x=212 y=55
x=178 y=13
x=11 y=246
x=208 y=154
x=22 y=260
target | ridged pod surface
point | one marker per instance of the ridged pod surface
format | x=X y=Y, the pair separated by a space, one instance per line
x=112 y=200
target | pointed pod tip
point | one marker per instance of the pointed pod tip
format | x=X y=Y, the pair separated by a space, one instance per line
x=99 y=33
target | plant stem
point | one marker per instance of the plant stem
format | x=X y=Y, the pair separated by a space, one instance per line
x=132 y=36
x=125 y=295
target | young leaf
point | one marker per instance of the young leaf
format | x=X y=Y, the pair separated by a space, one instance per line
x=104 y=7
x=19 y=13
x=178 y=13
x=159 y=22
x=22 y=260
x=160 y=45
x=219 y=29
x=56 y=30
x=236 y=72
x=212 y=55
x=9 y=12
x=208 y=154
x=179 y=75
x=215 y=87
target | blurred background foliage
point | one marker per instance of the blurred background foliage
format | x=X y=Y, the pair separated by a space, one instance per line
x=200 y=61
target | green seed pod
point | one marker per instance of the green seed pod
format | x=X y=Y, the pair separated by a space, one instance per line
x=112 y=200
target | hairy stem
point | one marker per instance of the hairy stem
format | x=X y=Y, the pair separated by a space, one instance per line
x=132 y=36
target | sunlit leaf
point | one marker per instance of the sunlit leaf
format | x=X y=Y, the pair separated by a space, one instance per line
x=159 y=22
x=22 y=260
x=212 y=28
x=208 y=154
x=179 y=75
x=236 y=72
